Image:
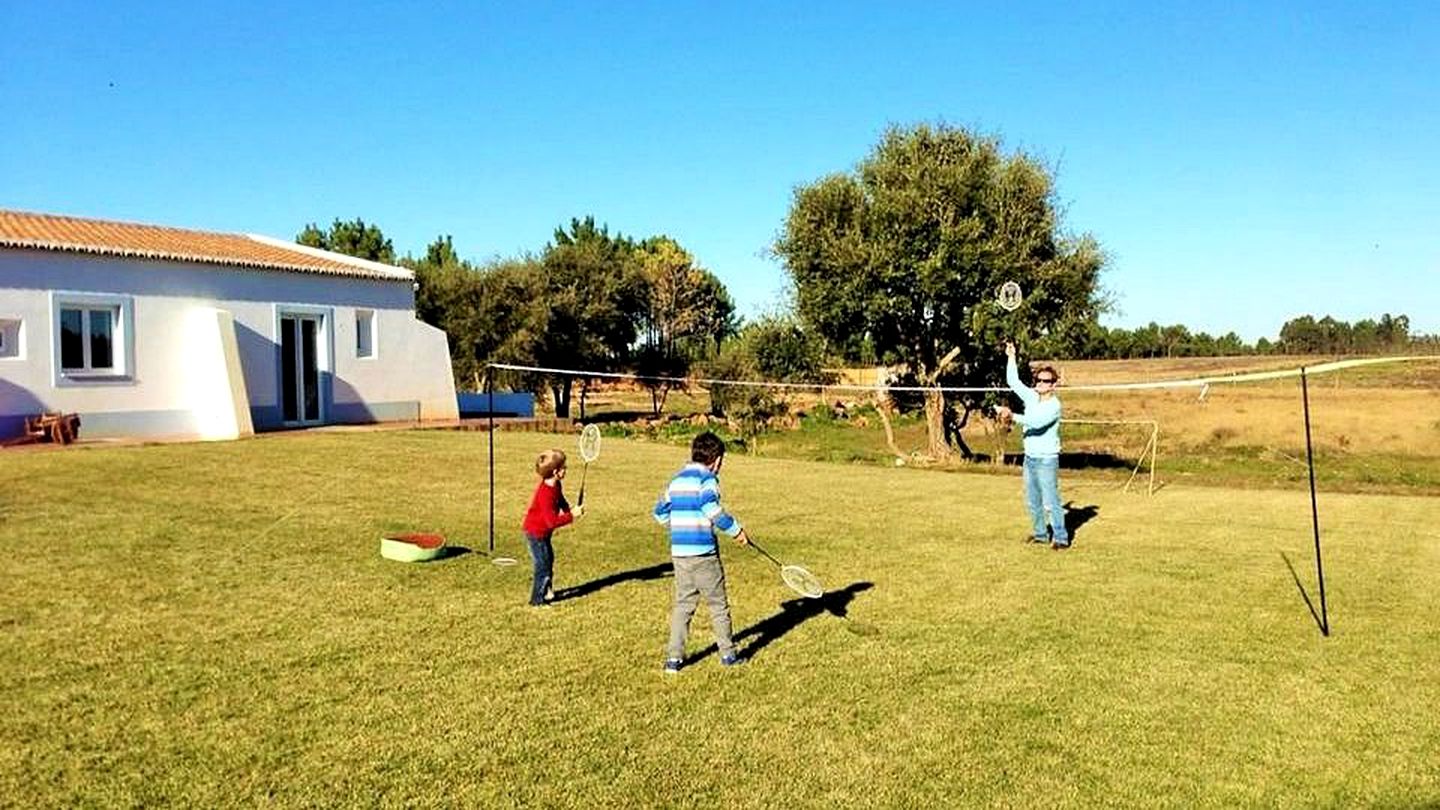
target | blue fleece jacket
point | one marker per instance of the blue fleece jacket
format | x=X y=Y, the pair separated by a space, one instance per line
x=1040 y=419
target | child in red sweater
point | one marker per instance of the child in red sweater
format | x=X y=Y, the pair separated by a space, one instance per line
x=548 y=511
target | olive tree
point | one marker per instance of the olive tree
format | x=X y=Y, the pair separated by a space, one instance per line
x=905 y=254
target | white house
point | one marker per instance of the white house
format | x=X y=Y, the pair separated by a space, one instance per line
x=149 y=331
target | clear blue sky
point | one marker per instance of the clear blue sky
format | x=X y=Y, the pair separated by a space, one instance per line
x=1241 y=163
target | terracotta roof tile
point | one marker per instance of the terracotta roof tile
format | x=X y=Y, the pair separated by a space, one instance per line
x=21 y=229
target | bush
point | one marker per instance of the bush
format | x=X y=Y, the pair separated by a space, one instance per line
x=1222 y=433
x=783 y=351
x=750 y=408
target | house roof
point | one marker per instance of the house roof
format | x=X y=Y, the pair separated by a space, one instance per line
x=22 y=229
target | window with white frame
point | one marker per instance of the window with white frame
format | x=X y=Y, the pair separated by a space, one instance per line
x=364 y=333
x=92 y=336
x=9 y=337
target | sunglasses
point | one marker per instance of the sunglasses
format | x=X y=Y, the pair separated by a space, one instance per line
x=1045 y=380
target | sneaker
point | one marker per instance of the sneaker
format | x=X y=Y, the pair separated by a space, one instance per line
x=672 y=666
x=1040 y=540
x=1059 y=546
x=731 y=660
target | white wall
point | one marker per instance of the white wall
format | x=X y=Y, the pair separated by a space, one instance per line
x=411 y=363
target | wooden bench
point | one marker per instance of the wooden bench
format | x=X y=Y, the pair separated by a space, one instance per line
x=60 y=428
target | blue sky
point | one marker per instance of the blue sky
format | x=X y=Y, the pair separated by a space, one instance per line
x=1241 y=165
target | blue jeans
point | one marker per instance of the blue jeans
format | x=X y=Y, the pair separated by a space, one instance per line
x=543 y=556
x=1042 y=496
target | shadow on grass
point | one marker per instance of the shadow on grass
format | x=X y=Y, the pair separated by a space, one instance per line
x=649 y=572
x=449 y=551
x=792 y=614
x=1086 y=460
x=1303 y=594
x=622 y=417
x=1077 y=460
x=1077 y=516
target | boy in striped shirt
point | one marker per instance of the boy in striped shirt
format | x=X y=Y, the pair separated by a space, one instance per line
x=690 y=508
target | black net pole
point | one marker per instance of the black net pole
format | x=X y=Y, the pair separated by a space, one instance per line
x=490 y=412
x=1314 y=509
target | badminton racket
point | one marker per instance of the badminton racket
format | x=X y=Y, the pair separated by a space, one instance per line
x=795 y=577
x=1009 y=296
x=589 y=451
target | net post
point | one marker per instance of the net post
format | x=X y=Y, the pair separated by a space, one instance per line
x=1314 y=509
x=490 y=412
x=1154 y=454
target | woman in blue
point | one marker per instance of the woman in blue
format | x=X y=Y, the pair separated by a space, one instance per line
x=1041 y=423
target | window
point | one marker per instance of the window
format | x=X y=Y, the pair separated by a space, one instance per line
x=87 y=338
x=92 y=336
x=364 y=333
x=9 y=337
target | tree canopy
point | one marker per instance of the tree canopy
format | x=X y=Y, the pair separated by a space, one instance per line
x=591 y=300
x=353 y=238
x=489 y=313
x=595 y=296
x=905 y=254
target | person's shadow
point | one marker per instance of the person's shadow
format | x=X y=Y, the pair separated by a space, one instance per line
x=792 y=613
x=1077 y=516
x=649 y=572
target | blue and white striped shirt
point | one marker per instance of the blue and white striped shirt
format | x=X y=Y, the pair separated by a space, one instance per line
x=690 y=506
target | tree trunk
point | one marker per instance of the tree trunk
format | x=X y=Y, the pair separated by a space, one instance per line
x=954 y=431
x=935 y=424
x=561 y=392
x=935 y=408
x=882 y=407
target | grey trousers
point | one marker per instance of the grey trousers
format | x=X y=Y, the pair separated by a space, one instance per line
x=696 y=577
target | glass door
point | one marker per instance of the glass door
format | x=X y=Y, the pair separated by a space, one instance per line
x=300 y=369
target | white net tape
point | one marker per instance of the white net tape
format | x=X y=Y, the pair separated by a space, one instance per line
x=1191 y=382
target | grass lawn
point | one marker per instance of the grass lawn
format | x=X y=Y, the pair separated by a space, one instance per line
x=211 y=624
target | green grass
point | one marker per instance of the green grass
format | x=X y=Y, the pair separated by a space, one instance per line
x=212 y=625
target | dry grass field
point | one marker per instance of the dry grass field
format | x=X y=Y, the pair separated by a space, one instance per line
x=1383 y=410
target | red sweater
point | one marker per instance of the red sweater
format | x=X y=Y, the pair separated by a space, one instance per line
x=548 y=511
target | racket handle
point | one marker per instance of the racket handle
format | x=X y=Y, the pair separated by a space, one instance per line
x=580 y=501
x=766 y=553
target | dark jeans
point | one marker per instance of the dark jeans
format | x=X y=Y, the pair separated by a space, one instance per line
x=543 y=555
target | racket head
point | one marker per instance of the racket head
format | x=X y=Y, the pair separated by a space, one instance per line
x=1009 y=296
x=590 y=442
x=802 y=581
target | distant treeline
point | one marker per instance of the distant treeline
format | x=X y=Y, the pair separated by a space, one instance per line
x=1303 y=335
